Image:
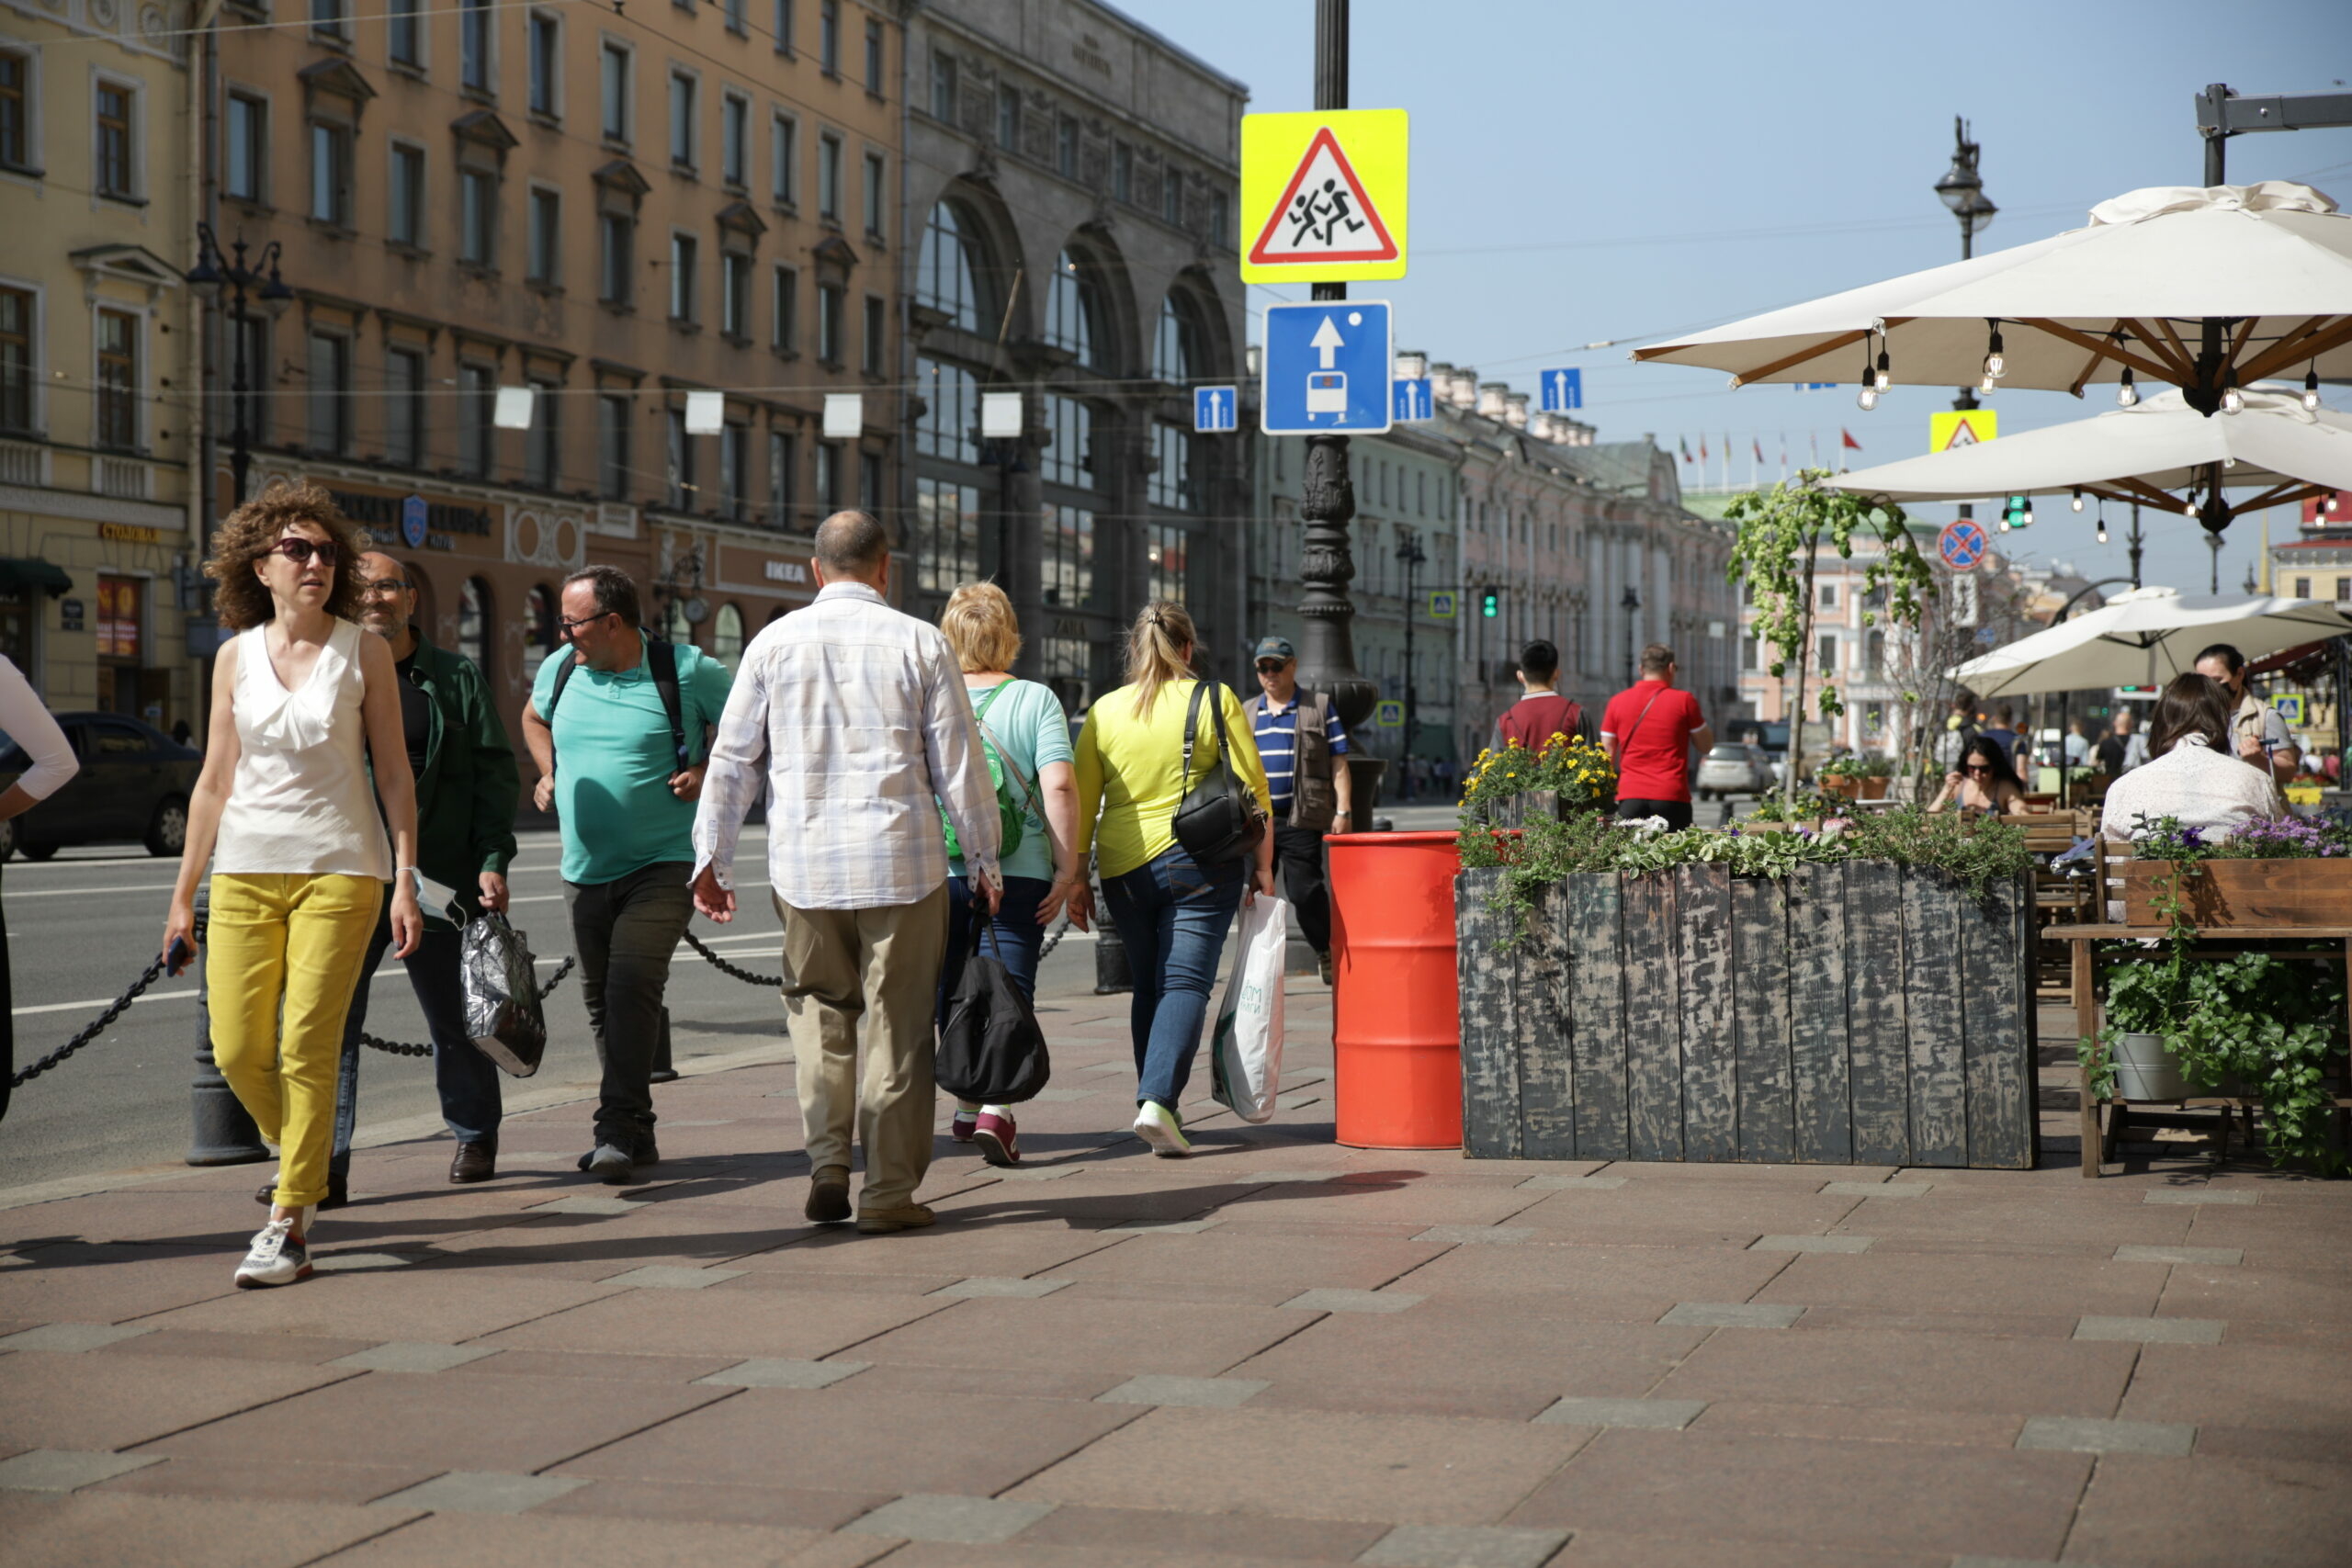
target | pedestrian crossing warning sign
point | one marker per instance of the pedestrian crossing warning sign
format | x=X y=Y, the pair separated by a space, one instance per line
x=1964 y=427
x=1323 y=196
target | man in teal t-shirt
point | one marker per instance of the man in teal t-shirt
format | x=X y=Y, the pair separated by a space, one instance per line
x=609 y=768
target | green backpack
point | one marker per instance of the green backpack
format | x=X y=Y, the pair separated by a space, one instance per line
x=1008 y=809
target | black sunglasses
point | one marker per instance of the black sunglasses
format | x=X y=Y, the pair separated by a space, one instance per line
x=1272 y=666
x=300 y=550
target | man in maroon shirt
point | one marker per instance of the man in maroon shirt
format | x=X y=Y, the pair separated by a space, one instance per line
x=1648 y=729
x=1543 y=712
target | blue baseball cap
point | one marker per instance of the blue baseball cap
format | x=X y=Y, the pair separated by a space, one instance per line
x=1274 y=647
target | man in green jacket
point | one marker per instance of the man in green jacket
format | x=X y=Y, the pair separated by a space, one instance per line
x=466 y=788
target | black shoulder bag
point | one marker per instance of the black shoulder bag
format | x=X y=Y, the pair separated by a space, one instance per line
x=1217 y=821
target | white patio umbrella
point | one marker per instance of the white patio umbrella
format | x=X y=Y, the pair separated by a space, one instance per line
x=2284 y=451
x=2205 y=289
x=2144 y=637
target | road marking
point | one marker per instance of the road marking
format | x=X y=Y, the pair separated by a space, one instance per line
x=75 y=892
x=101 y=1002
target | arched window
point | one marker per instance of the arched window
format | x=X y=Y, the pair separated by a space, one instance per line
x=474 y=623
x=1074 y=311
x=538 y=629
x=727 y=638
x=947 y=270
x=682 y=630
x=1175 y=346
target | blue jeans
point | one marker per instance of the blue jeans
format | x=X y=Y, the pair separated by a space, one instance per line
x=467 y=1079
x=1018 y=938
x=1173 y=916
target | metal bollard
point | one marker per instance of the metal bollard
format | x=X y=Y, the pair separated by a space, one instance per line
x=1112 y=974
x=662 y=1071
x=221 y=1134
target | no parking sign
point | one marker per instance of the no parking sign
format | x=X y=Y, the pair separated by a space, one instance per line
x=1962 y=545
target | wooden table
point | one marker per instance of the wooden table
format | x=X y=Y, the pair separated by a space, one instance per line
x=2100 y=1135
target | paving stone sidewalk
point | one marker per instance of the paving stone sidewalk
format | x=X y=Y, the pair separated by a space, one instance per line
x=1281 y=1352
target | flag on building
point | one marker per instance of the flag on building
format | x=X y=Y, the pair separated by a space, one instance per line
x=1755 y=443
x=1702 y=448
x=1848 y=436
x=1684 y=443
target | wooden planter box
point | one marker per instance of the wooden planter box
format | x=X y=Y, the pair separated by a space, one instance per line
x=2244 y=892
x=1855 y=1013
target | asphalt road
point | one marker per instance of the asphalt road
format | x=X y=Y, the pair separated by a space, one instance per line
x=81 y=927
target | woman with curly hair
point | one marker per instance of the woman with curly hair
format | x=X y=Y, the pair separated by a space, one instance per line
x=302 y=701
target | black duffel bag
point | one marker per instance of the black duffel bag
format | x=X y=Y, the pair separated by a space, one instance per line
x=990 y=1049
x=1217 y=821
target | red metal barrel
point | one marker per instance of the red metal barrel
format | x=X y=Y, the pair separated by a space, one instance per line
x=1396 y=1012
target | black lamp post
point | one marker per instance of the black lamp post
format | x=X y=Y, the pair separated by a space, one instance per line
x=1632 y=605
x=1410 y=554
x=212 y=274
x=1962 y=190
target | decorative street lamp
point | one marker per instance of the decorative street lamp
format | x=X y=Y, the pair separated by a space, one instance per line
x=212 y=274
x=1410 y=554
x=1632 y=605
x=1962 y=190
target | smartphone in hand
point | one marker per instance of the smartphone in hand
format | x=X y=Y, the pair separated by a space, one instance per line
x=180 y=957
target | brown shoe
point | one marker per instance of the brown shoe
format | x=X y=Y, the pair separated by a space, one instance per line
x=474 y=1162
x=905 y=1217
x=829 y=1195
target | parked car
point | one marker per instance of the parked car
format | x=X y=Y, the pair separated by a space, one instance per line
x=133 y=787
x=1734 y=767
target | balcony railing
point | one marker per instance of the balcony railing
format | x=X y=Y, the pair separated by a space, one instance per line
x=126 y=478
x=24 y=463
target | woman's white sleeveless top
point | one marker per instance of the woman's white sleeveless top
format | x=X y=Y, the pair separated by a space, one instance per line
x=301 y=803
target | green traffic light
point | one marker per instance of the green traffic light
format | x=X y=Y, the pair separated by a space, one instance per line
x=1490 y=604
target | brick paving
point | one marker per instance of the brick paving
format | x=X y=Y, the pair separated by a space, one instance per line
x=1282 y=1352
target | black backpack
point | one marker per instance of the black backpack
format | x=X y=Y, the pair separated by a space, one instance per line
x=990 y=1049
x=662 y=658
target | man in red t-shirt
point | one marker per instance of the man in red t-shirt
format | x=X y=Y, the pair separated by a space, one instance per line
x=1648 y=729
x=1543 y=712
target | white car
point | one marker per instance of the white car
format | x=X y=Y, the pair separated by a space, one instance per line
x=1734 y=767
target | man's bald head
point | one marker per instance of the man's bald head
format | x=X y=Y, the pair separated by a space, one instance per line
x=853 y=547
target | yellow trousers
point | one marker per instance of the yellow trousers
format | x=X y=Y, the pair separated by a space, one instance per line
x=282 y=955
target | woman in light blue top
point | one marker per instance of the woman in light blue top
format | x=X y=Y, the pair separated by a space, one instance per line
x=1028 y=737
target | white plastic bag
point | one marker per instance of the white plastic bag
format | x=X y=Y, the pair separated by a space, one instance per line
x=1246 y=1047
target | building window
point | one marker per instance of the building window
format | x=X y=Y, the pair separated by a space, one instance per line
x=829 y=37
x=404 y=408
x=15 y=108
x=784 y=330
x=2344 y=590
x=1065 y=460
x=829 y=325
x=682 y=120
x=733 y=470
x=735 y=139
x=1072 y=310
x=945 y=271
x=1066 y=148
x=727 y=637
x=612 y=446
x=330 y=174
x=783 y=153
x=1828 y=595
x=16 y=359
x=869 y=481
x=250 y=337
x=943 y=86
x=326 y=18
x=546 y=234
x=873 y=82
x=1008 y=120
x=681 y=278
x=117 y=380
x=1171 y=481
x=1067 y=542
x=245 y=148
x=734 y=14
x=947 y=534
x=406 y=32
x=1172 y=199
x=329 y=375
x=878 y=204
x=119 y=622
x=539 y=616
x=828 y=477
x=1164 y=551
x=478 y=204
x=1219 y=211
x=873 y=342
x=2303 y=588
x=781 y=478
x=681 y=487
x=950 y=424
x=115 y=171
x=404 y=223
x=1123 y=172
x=475 y=38
x=1826 y=659
x=542 y=446
x=1173 y=350
x=735 y=295
x=477 y=400
x=546 y=62
x=828 y=178
x=614 y=65
x=474 y=623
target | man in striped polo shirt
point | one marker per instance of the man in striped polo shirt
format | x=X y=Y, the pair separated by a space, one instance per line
x=1300 y=742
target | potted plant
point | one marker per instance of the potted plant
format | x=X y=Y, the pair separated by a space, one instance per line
x=1514 y=785
x=2279 y=870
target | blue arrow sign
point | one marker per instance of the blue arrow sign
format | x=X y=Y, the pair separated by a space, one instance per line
x=1415 y=401
x=1563 y=391
x=1328 y=367
x=1216 y=410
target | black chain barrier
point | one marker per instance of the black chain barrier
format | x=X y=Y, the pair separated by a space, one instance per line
x=97 y=1027
x=777 y=980
x=398 y=1048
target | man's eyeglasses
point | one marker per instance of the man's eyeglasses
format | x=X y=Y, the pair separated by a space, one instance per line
x=572 y=628
x=1271 y=666
x=384 y=588
x=299 y=550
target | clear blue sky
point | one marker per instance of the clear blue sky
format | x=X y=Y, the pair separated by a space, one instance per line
x=1585 y=172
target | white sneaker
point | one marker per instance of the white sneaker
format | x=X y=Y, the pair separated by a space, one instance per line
x=279 y=1256
x=1158 y=1126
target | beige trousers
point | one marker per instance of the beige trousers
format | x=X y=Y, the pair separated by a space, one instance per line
x=881 y=966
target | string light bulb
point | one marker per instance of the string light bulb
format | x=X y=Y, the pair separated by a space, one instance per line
x=1997 y=364
x=2311 y=390
x=2005 y=521
x=2027 y=518
x=2232 y=401
x=2126 y=394
x=2078 y=498
x=1868 y=399
x=1882 y=380
x=2102 y=521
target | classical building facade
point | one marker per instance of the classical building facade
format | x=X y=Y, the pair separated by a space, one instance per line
x=1070 y=183
x=98 y=360
x=568 y=283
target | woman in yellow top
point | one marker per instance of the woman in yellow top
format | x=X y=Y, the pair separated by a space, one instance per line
x=1172 y=913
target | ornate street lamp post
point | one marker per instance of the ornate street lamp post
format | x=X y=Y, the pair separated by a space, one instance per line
x=1632 y=605
x=1962 y=190
x=1412 y=557
x=212 y=274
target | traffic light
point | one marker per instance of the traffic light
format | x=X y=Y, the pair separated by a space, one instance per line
x=2017 y=511
x=1491 y=603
